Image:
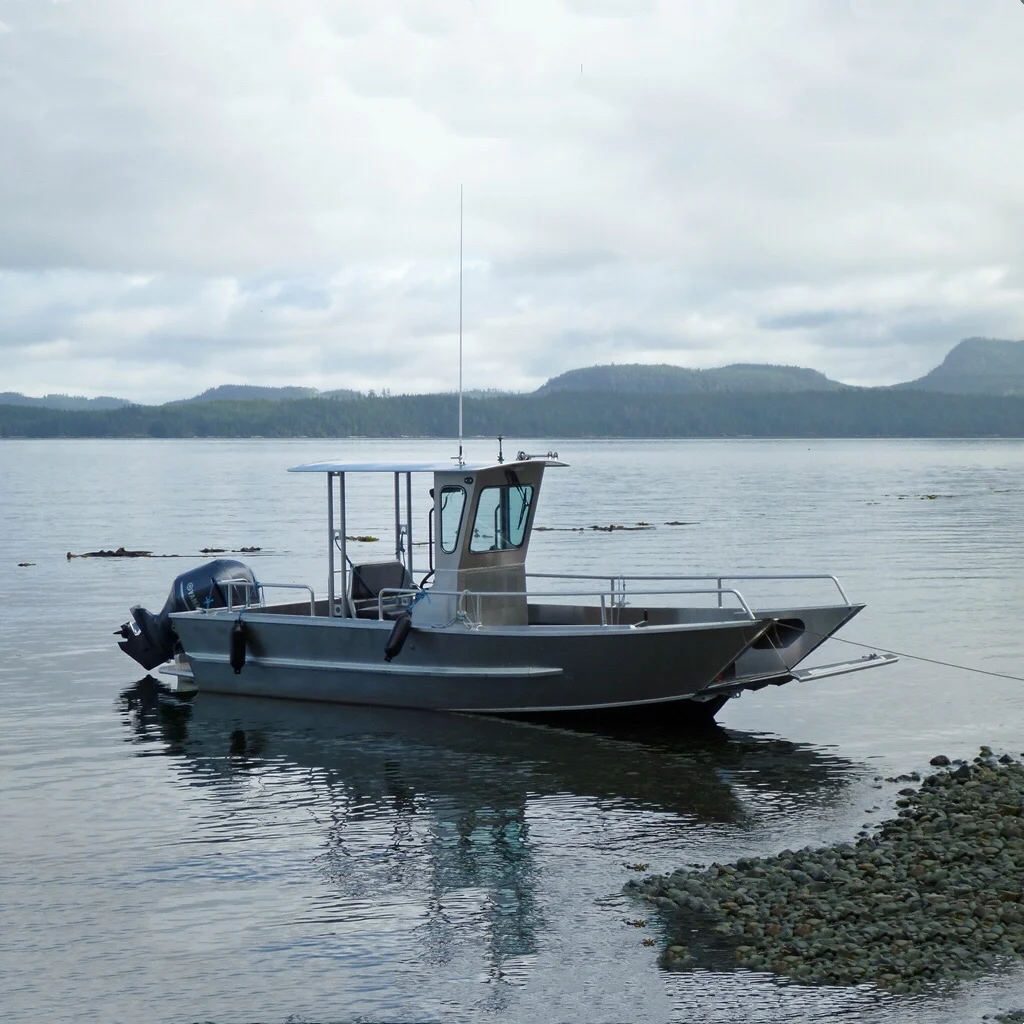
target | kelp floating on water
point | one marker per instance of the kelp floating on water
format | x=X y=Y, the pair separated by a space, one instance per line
x=233 y=551
x=119 y=553
x=919 y=497
x=126 y=553
x=611 y=528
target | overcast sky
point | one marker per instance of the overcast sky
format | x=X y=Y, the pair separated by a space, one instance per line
x=195 y=193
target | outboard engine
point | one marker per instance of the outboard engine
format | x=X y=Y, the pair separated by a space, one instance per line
x=150 y=639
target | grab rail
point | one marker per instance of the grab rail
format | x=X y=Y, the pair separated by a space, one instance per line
x=231 y=584
x=260 y=587
x=621 y=578
x=294 y=586
x=615 y=600
x=410 y=592
x=611 y=598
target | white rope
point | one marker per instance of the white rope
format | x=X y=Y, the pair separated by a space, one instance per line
x=918 y=657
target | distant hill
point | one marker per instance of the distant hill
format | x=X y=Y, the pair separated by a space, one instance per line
x=488 y=393
x=70 y=402
x=251 y=392
x=661 y=379
x=223 y=393
x=849 y=412
x=976 y=366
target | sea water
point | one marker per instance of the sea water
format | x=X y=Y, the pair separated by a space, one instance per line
x=237 y=860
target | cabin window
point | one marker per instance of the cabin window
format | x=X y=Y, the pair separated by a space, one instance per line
x=453 y=501
x=501 y=517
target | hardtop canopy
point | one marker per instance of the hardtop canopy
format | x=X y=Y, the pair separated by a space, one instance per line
x=451 y=466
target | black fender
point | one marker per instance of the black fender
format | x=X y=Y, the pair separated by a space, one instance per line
x=399 y=634
x=236 y=646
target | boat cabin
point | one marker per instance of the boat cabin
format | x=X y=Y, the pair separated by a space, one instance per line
x=478 y=536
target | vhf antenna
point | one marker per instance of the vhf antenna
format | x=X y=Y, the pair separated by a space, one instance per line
x=460 y=325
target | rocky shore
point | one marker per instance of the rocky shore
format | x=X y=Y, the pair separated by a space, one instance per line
x=935 y=894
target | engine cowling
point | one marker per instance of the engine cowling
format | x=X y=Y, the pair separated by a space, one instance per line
x=150 y=639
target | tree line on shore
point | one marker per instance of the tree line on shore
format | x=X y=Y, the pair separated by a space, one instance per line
x=848 y=413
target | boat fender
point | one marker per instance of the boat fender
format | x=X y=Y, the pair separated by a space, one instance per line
x=237 y=647
x=399 y=634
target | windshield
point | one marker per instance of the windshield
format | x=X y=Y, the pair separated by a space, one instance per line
x=502 y=514
x=453 y=500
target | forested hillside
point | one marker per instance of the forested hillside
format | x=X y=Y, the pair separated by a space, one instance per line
x=877 y=412
x=977 y=366
x=977 y=391
x=641 y=378
x=62 y=401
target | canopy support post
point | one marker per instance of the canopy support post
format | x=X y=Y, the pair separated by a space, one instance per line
x=343 y=545
x=330 y=545
x=408 y=521
x=398 y=520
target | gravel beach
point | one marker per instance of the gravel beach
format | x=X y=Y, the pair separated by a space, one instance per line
x=934 y=895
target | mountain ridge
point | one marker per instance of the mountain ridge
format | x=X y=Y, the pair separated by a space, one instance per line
x=851 y=412
x=64 y=402
x=664 y=378
x=261 y=393
x=974 y=366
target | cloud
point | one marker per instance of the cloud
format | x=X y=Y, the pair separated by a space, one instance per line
x=809 y=319
x=193 y=194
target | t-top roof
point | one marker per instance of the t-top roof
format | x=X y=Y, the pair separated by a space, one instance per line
x=450 y=466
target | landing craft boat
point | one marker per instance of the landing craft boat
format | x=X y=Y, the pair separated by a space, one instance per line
x=475 y=632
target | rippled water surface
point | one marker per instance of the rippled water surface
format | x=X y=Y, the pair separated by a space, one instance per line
x=236 y=860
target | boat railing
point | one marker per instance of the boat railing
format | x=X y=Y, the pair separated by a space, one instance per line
x=608 y=600
x=403 y=597
x=258 y=589
x=618 y=582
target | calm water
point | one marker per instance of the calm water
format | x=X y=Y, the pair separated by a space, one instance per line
x=240 y=860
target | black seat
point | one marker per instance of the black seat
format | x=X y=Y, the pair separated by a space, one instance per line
x=370 y=578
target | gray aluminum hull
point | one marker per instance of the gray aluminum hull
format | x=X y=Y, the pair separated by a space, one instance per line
x=797 y=632
x=500 y=670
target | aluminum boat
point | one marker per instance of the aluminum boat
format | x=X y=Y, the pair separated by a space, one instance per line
x=472 y=631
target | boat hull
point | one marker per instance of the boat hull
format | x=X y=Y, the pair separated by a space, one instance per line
x=796 y=632
x=499 y=670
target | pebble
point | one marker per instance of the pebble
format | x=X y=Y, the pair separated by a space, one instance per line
x=936 y=893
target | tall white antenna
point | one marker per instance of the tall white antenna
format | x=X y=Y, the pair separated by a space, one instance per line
x=460 y=325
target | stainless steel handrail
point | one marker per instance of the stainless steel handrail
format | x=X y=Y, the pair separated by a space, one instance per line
x=294 y=586
x=612 y=597
x=602 y=595
x=260 y=587
x=718 y=578
x=230 y=584
x=410 y=592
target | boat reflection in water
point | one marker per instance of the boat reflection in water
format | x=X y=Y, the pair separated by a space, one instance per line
x=428 y=807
